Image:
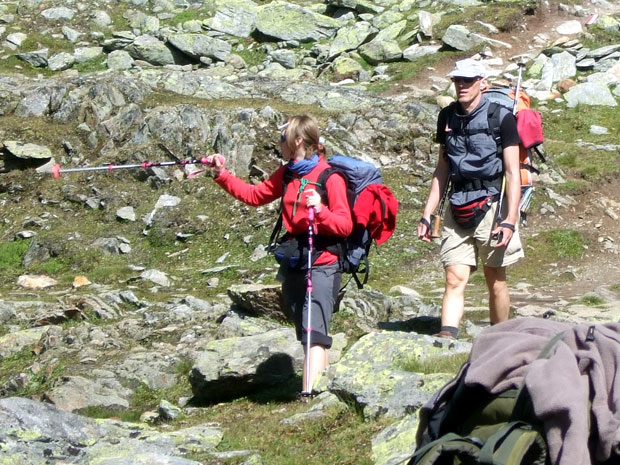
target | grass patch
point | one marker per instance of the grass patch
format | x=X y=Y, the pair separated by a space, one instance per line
x=448 y=364
x=581 y=161
x=599 y=37
x=565 y=243
x=143 y=399
x=92 y=65
x=505 y=17
x=252 y=56
x=11 y=254
x=189 y=14
x=16 y=363
x=591 y=301
x=408 y=70
x=38 y=383
x=560 y=247
x=340 y=437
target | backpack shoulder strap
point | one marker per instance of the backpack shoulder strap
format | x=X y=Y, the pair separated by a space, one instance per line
x=322 y=187
x=277 y=228
x=495 y=122
x=512 y=443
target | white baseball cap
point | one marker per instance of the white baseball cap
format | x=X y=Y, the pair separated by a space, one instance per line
x=468 y=68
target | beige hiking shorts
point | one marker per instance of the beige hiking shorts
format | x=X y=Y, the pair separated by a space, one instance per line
x=464 y=246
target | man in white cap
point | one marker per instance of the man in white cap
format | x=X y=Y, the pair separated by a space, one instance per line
x=482 y=165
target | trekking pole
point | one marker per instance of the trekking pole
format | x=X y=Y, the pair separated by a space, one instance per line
x=57 y=170
x=498 y=214
x=518 y=88
x=308 y=387
x=436 y=232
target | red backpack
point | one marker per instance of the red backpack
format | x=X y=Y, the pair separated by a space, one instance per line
x=529 y=126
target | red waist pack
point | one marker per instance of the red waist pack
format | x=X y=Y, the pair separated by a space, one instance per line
x=469 y=215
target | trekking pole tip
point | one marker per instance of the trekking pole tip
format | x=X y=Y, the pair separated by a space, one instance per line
x=56 y=170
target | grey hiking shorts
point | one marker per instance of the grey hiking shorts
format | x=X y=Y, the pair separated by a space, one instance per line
x=464 y=246
x=326 y=281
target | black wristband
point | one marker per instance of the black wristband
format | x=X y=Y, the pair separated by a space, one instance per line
x=507 y=226
x=425 y=222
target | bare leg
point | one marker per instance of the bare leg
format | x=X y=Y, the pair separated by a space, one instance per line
x=499 y=298
x=453 y=304
x=319 y=360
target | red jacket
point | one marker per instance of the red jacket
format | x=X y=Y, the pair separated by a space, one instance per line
x=332 y=221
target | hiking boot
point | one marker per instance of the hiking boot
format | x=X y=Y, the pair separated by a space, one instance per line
x=447 y=334
x=304 y=397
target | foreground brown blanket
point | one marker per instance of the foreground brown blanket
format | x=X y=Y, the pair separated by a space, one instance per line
x=578 y=369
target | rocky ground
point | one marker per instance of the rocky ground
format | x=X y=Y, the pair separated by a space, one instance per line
x=148 y=295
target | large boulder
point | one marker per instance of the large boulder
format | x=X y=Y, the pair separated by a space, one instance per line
x=236 y=17
x=200 y=45
x=285 y=21
x=31 y=431
x=371 y=376
x=350 y=38
x=590 y=93
x=230 y=368
x=151 y=50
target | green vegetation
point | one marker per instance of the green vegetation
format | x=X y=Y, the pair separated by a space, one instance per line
x=591 y=301
x=15 y=363
x=565 y=243
x=252 y=56
x=11 y=254
x=556 y=246
x=563 y=129
x=189 y=14
x=447 y=364
x=407 y=70
x=505 y=17
x=92 y=65
x=341 y=436
x=599 y=37
x=38 y=382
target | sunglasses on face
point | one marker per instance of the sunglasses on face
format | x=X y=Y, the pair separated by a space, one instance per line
x=283 y=137
x=465 y=80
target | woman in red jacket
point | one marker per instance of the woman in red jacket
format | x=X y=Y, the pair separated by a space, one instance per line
x=304 y=154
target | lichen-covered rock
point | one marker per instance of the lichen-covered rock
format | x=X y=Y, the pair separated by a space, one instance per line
x=286 y=21
x=259 y=300
x=151 y=50
x=236 y=17
x=369 y=374
x=200 y=45
x=32 y=431
x=396 y=444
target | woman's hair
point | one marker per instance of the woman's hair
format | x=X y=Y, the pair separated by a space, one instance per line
x=304 y=126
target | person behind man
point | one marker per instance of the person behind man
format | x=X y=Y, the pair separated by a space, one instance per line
x=479 y=176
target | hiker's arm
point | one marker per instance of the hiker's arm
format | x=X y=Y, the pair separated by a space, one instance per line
x=254 y=195
x=438 y=186
x=335 y=220
x=513 y=194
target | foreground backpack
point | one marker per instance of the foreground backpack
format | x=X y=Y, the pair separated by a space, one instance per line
x=469 y=425
x=373 y=210
x=529 y=127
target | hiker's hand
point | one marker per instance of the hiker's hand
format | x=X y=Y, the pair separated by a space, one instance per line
x=313 y=199
x=217 y=162
x=424 y=230
x=503 y=233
